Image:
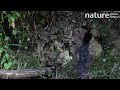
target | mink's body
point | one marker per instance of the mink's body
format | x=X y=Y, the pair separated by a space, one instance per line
x=84 y=56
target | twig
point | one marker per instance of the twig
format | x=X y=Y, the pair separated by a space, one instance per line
x=26 y=73
x=115 y=65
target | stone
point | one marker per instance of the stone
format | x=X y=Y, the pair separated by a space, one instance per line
x=95 y=48
x=64 y=58
x=117 y=43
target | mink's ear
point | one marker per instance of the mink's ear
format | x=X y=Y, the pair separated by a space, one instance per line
x=87 y=36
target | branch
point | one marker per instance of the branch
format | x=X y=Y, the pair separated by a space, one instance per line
x=25 y=73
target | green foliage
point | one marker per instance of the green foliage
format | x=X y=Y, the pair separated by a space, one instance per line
x=105 y=67
x=6 y=56
x=6 y=46
x=1 y=49
x=42 y=22
x=106 y=35
x=8 y=65
x=11 y=18
x=6 y=61
x=14 y=32
x=6 y=38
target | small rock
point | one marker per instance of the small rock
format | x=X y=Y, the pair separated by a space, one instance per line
x=95 y=48
x=117 y=44
x=58 y=45
x=64 y=58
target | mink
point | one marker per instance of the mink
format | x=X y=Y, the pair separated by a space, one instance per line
x=84 y=56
